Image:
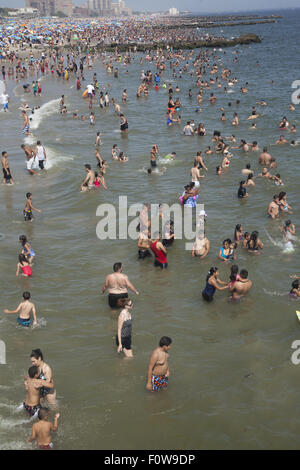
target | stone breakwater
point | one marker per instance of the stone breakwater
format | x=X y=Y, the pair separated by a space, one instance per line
x=182 y=45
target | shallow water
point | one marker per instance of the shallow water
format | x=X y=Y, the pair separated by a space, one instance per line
x=232 y=382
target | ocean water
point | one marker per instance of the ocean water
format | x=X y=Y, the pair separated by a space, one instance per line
x=232 y=383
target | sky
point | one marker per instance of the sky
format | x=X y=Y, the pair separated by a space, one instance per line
x=199 y=6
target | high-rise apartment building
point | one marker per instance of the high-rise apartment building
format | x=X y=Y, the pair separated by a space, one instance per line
x=50 y=7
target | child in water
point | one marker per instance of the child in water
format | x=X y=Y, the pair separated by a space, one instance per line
x=24 y=266
x=41 y=431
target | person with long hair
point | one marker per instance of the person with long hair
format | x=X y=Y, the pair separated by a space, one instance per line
x=26 y=249
x=238 y=233
x=212 y=284
x=254 y=245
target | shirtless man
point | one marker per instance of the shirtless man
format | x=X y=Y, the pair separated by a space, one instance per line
x=25 y=128
x=246 y=171
x=143 y=246
x=29 y=152
x=273 y=208
x=33 y=385
x=98 y=158
x=281 y=140
x=195 y=175
x=88 y=182
x=199 y=160
x=41 y=431
x=158 y=368
x=265 y=157
x=7 y=178
x=25 y=308
x=144 y=220
x=201 y=246
x=265 y=174
x=117 y=284
x=242 y=286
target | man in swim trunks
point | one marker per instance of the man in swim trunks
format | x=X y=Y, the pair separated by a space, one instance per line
x=29 y=152
x=201 y=246
x=264 y=158
x=117 y=284
x=88 y=182
x=25 y=128
x=195 y=175
x=8 y=179
x=33 y=385
x=158 y=368
x=273 y=208
x=41 y=431
x=242 y=286
x=24 y=310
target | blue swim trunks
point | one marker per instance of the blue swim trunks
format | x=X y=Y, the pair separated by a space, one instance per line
x=23 y=321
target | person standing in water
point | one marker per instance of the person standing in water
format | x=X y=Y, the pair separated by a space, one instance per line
x=41 y=154
x=158 y=368
x=7 y=178
x=24 y=309
x=33 y=385
x=117 y=284
x=29 y=208
x=123 y=336
x=45 y=375
x=212 y=284
x=160 y=251
x=41 y=431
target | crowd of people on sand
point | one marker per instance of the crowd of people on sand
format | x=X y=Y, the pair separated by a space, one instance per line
x=206 y=71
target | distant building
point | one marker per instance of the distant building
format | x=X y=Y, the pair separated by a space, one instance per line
x=24 y=12
x=50 y=7
x=120 y=8
x=101 y=7
x=173 y=12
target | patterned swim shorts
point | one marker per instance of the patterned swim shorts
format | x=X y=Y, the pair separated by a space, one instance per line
x=159 y=382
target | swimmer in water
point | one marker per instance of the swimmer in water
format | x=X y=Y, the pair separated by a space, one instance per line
x=24 y=266
x=25 y=309
x=26 y=249
x=117 y=285
x=273 y=208
x=41 y=431
x=295 y=291
x=201 y=246
x=88 y=182
x=288 y=230
x=241 y=287
x=213 y=283
x=33 y=385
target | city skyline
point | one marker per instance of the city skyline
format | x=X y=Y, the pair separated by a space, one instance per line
x=198 y=6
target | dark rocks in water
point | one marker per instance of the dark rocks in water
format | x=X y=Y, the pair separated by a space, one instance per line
x=183 y=45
